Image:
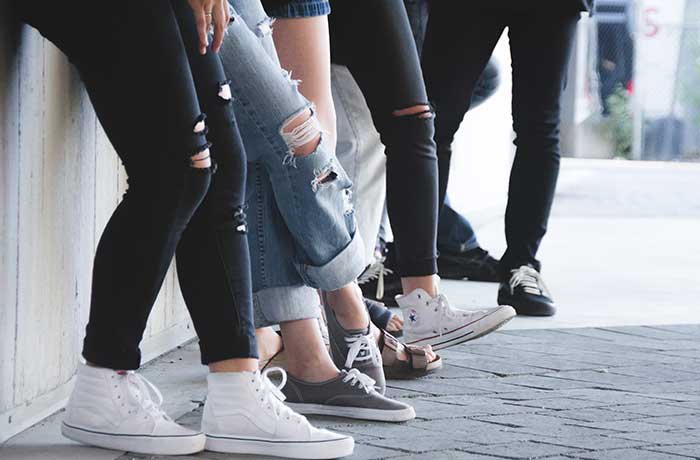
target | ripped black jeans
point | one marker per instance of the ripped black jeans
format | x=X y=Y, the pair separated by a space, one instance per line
x=150 y=87
x=375 y=42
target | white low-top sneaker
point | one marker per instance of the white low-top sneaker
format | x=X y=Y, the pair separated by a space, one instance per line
x=116 y=410
x=244 y=414
x=431 y=321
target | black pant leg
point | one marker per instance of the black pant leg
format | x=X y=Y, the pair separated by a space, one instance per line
x=456 y=50
x=540 y=43
x=213 y=260
x=136 y=71
x=375 y=41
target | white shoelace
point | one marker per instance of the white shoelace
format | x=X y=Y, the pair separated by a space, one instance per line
x=272 y=396
x=376 y=271
x=362 y=349
x=529 y=279
x=363 y=381
x=142 y=390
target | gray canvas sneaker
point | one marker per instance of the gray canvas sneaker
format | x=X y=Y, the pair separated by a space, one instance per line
x=350 y=395
x=355 y=349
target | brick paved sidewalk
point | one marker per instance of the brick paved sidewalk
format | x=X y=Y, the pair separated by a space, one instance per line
x=618 y=393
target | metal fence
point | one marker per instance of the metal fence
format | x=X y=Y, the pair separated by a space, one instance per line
x=644 y=76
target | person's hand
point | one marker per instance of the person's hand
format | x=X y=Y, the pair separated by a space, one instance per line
x=208 y=13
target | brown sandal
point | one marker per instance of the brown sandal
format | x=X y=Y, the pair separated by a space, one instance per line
x=417 y=364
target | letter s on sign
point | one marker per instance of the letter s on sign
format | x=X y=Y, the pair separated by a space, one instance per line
x=651 y=27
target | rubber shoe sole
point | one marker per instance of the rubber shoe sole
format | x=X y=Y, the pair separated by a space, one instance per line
x=471 y=331
x=327 y=449
x=142 y=444
x=360 y=413
x=525 y=307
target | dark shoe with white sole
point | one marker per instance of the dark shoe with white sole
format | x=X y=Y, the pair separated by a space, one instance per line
x=350 y=395
x=380 y=283
x=355 y=348
x=473 y=265
x=526 y=292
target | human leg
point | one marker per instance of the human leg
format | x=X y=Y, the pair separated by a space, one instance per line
x=397 y=100
x=282 y=177
x=452 y=64
x=536 y=107
x=168 y=176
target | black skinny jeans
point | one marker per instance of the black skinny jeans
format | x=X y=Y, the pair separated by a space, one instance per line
x=374 y=40
x=456 y=50
x=149 y=87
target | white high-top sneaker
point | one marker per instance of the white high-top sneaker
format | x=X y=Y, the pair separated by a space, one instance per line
x=115 y=410
x=431 y=320
x=244 y=414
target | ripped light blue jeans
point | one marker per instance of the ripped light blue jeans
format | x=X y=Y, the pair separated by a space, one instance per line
x=302 y=233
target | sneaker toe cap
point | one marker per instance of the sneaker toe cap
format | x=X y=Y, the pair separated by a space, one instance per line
x=322 y=434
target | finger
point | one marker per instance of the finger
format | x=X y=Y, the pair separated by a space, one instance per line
x=220 y=23
x=202 y=27
x=227 y=12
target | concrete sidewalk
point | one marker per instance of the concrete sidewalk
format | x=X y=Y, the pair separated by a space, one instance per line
x=615 y=375
x=586 y=393
x=623 y=246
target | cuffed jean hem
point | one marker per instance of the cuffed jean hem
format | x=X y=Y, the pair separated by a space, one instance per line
x=300 y=9
x=418 y=267
x=339 y=271
x=229 y=348
x=277 y=305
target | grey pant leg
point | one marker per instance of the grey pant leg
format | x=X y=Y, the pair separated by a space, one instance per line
x=361 y=154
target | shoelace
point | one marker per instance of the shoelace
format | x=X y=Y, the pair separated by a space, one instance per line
x=363 y=381
x=529 y=279
x=272 y=396
x=376 y=271
x=361 y=349
x=141 y=390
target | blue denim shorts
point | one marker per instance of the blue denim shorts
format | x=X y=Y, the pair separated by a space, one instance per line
x=297 y=8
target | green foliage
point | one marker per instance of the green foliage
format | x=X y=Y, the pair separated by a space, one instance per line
x=620 y=122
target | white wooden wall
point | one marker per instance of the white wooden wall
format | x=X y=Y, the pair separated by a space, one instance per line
x=59 y=182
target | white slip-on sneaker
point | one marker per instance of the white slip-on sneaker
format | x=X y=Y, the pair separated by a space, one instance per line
x=115 y=410
x=244 y=414
x=432 y=321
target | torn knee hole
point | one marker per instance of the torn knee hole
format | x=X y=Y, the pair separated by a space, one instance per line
x=200 y=125
x=302 y=133
x=240 y=220
x=323 y=176
x=224 y=92
x=264 y=27
x=201 y=160
x=417 y=111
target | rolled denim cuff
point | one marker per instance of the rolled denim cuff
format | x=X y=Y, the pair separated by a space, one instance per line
x=339 y=271
x=298 y=9
x=277 y=305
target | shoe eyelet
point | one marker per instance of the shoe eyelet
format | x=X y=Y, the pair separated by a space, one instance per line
x=435 y=332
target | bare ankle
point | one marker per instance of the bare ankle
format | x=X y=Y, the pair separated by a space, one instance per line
x=313 y=370
x=235 y=365
x=349 y=307
x=428 y=283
